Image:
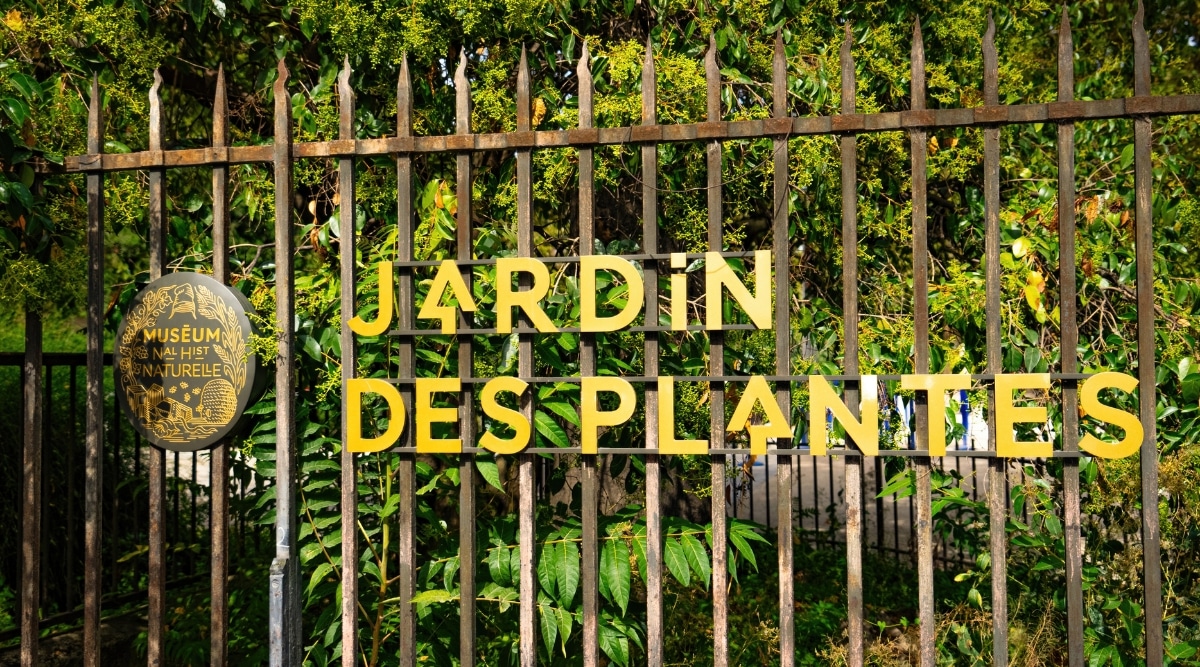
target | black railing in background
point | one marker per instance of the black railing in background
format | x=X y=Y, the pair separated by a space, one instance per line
x=123 y=498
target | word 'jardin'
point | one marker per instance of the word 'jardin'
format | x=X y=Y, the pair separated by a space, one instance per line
x=719 y=277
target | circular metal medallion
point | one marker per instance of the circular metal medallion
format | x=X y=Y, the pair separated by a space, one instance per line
x=184 y=371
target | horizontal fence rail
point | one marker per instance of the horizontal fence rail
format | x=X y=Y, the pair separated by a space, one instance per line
x=788 y=463
x=933 y=119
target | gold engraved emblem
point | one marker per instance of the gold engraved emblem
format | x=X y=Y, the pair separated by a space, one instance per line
x=184 y=374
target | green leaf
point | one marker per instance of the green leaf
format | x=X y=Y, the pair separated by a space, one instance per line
x=639 y=548
x=615 y=644
x=448 y=574
x=549 y=622
x=498 y=566
x=1054 y=525
x=319 y=573
x=566 y=571
x=1126 y=157
x=676 y=560
x=564 y=626
x=743 y=548
x=433 y=596
x=503 y=595
x=490 y=472
x=903 y=484
x=550 y=429
x=697 y=557
x=198 y=9
x=546 y=570
x=614 y=572
x=17 y=110
x=562 y=409
x=28 y=86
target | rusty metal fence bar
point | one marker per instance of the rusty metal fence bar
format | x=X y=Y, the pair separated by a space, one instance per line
x=347 y=243
x=407 y=479
x=589 y=490
x=923 y=464
x=779 y=128
x=654 y=530
x=466 y=367
x=780 y=239
x=219 y=456
x=716 y=362
x=1069 y=339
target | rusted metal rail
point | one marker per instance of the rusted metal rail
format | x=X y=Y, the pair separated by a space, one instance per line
x=917 y=122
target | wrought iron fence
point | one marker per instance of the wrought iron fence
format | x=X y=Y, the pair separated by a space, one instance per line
x=917 y=122
x=60 y=475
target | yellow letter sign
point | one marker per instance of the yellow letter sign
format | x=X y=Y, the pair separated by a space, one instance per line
x=865 y=433
x=1089 y=400
x=355 y=388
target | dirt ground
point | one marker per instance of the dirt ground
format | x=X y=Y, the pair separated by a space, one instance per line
x=116 y=645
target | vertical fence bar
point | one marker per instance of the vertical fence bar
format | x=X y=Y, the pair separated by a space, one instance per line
x=175 y=565
x=716 y=390
x=406 y=473
x=45 y=594
x=527 y=501
x=997 y=475
x=1147 y=389
x=1068 y=352
x=193 y=491
x=854 y=462
x=219 y=456
x=31 y=509
x=285 y=585
x=783 y=351
x=925 y=411
x=157 y=554
x=114 y=542
x=589 y=495
x=347 y=239
x=654 y=535
x=72 y=440
x=95 y=386
x=466 y=403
